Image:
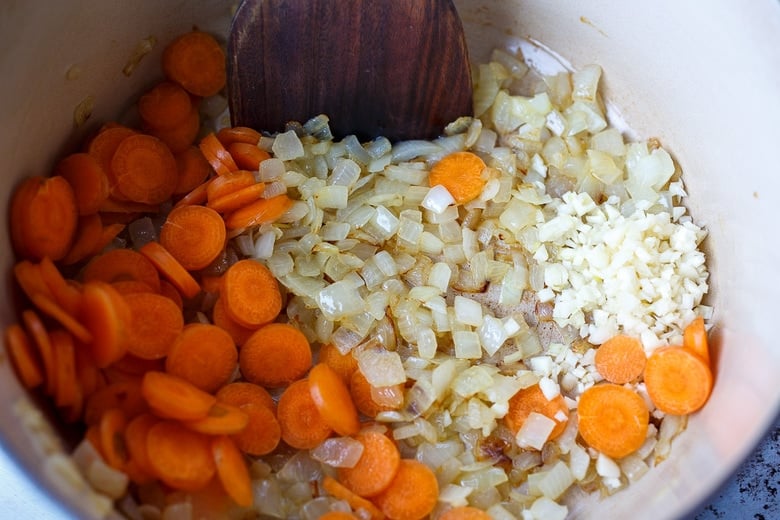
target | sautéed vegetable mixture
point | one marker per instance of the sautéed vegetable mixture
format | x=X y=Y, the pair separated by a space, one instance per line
x=244 y=325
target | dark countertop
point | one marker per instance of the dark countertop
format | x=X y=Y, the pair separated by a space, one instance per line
x=751 y=494
x=753 y=491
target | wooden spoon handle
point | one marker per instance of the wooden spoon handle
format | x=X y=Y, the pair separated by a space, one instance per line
x=375 y=67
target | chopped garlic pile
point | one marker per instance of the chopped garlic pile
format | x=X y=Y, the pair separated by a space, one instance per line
x=577 y=236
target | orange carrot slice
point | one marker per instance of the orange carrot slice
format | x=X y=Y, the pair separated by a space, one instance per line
x=172 y=397
x=613 y=419
x=232 y=470
x=331 y=396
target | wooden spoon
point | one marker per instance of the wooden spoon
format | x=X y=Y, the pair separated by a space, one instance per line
x=397 y=68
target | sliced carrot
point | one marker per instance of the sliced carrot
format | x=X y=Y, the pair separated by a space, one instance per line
x=90 y=378
x=73 y=412
x=275 y=355
x=181 y=136
x=171 y=269
x=211 y=283
x=144 y=169
x=376 y=467
x=344 y=364
x=106 y=316
x=194 y=235
x=247 y=156
x=87 y=178
x=23 y=357
x=125 y=395
x=93 y=436
x=232 y=470
x=461 y=174
x=136 y=440
x=40 y=337
x=301 y=424
x=44 y=217
x=464 y=513
x=695 y=339
x=112 y=428
x=222 y=419
x=52 y=309
x=198 y=195
x=263 y=211
x=220 y=317
x=172 y=397
x=136 y=366
x=238 y=199
x=180 y=457
x=339 y=491
x=412 y=494
x=532 y=399
x=193 y=169
x=363 y=392
x=164 y=105
x=229 y=182
x=130 y=208
x=65 y=293
x=204 y=355
x=252 y=294
x=678 y=380
x=110 y=232
x=621 y=359
x=195 y=61
x=104 y=144
x=122 y=264
x=87 y=239
x=613 y=419
x=238 y=134
x=30 y=278
x=64 y=351
x=263 y=432
x=124 y=287
x=217 y=155
x=155 y=324
x=331 y=396
x=240 y=393
x=169 y=291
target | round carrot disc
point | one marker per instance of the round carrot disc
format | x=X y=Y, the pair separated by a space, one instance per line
x=613 y=419
x=194 y=235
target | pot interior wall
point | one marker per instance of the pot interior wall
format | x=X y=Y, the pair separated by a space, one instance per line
x=704 y=83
